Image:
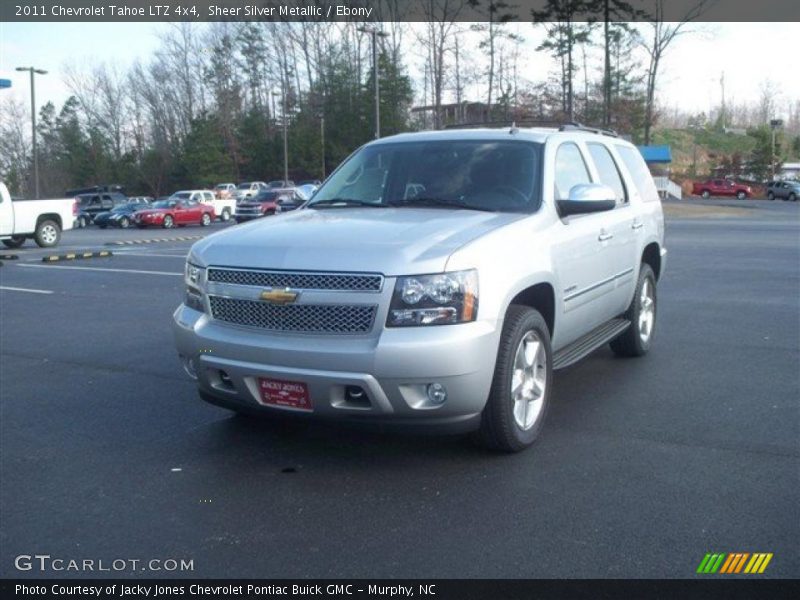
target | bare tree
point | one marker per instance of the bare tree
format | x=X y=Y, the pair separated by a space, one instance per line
x=661 y=36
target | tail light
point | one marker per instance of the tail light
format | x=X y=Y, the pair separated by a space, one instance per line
x=75 y=207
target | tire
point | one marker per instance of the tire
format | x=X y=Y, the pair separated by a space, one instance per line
x=47 y=234
x=169 y=222
x=792 y=197
x=124 y=222
x=770 y=196
x=141 y=226
x=226 y=215
x=741 y=195
x=82 y=223
x=706 y=194
x=103 y=226
x=508 y=425
x=205 y=220
x=637 y=339
x=15 y=242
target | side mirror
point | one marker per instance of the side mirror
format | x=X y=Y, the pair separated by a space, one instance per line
x=587 y=198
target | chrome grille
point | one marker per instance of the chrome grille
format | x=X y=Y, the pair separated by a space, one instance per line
x=305 y=318
x=298 y=280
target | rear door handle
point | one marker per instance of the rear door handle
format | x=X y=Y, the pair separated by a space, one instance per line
x=637 y=225
x=604 y=236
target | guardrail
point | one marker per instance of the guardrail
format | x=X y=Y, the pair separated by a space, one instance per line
x=667 y=188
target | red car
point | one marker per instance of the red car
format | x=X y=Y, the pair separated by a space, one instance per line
x=175 y=212
x=721 y=187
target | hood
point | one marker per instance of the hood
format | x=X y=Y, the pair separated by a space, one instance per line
x=392 y=241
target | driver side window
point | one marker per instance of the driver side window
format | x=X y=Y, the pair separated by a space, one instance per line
x=570 y=170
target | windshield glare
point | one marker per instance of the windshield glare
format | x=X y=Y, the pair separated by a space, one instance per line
x=488 y=175
x=244 y=186
x=164 y=204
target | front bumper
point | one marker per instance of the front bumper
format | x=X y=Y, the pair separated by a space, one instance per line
x=393 y=370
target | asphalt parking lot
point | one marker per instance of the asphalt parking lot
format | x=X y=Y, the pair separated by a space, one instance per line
x=644 y=466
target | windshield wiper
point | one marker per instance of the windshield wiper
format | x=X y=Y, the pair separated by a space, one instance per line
x=344 y=202
x=437 y=203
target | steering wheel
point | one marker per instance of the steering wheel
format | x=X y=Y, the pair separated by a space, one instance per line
x=513 y=193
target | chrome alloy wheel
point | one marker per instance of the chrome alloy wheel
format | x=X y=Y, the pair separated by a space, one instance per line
x=647 y=311
x=529 y=380
x=49 y=234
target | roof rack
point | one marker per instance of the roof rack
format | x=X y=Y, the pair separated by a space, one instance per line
x=513 y=124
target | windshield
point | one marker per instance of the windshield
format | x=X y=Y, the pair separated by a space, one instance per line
x=481 y=175
x=244 y=186
x=181 y=195
x=127 y=207
x=223 y=186
x=265 y=196
x=164 y=204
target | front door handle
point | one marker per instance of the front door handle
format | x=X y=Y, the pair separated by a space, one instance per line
x=604 y=236
x=637 y=225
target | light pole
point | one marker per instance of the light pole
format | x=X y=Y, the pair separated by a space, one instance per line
x=33 y=70
x=282 y=94
x=774 y=124
x=322 y=141
x=375 y=33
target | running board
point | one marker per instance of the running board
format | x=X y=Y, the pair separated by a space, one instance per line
x=590 y=342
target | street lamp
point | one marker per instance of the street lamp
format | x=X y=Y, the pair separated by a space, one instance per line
x=375 y=33
x=774 y=124
x=33 y=70
x=282 y=94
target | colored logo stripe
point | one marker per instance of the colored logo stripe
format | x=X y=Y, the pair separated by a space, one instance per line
x=734 y=562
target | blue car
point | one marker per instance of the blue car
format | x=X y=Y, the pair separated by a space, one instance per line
x=121 y=216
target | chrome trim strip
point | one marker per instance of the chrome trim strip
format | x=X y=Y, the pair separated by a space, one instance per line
x=594 y=286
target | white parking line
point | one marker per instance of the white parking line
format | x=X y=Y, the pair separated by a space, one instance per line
x=16 y=289
x=126 y=253
x=27 y=266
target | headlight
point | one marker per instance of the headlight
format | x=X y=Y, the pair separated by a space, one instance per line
x=194 y=277
x=440 y=299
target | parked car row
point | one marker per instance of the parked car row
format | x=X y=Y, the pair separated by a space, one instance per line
x=248 y=200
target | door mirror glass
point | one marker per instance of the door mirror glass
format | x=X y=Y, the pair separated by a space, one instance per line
x=587 y=198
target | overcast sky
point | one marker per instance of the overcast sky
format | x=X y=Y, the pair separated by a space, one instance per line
x=748 y=54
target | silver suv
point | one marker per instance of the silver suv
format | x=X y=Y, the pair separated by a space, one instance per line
x=435 y=280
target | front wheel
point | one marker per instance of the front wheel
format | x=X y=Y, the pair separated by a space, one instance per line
x=770 y=196
x=520 y=392
x=793 y=197
x=741 y=195
x=124 y=222
x=15 y=242
x=169 y=223
x=636 y=339
x=205 y=220
x=706 y=194
x=47 y=234
x=226 y=215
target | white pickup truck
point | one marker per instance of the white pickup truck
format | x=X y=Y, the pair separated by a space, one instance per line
x=42 y=220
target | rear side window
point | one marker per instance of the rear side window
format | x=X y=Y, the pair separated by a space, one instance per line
x=608 y=171
x=642 y=178
x=571 y=170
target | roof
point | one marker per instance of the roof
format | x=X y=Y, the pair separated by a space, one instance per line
x=656 y=154
x=531 y=134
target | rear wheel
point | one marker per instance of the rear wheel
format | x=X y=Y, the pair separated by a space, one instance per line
x=706 y=194
x=636 y=339
x=793 y=197
x=47 y=234
x=124 y=222
x=741 y=195
x=226 y=215
x=520 y=392
x=15 y=242
x=205 y=220
x=770 y=196
x=169 y=222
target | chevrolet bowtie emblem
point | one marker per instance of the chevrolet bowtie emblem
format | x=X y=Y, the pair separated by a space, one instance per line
x=279 y=296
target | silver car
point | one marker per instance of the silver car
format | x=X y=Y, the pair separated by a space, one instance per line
x=434 y=281
x=786 y=190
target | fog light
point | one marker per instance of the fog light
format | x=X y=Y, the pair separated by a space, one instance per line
x=436 y=393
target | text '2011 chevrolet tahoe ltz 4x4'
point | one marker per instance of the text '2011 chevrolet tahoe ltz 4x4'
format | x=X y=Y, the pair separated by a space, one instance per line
x=435 y=280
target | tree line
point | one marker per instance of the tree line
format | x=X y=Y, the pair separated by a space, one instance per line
x=210 y=105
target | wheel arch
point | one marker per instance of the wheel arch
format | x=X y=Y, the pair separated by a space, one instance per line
x=541 y=297
x=50 y=217
x=651 y=255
